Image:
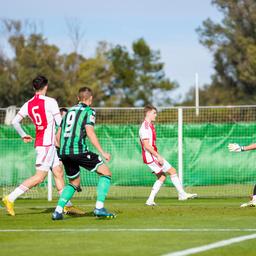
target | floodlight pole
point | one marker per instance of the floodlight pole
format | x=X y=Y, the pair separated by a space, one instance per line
x=197 y=94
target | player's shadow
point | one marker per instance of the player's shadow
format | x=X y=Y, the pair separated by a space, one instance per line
x=73 y=215
x=47 y=210
x=87 y=214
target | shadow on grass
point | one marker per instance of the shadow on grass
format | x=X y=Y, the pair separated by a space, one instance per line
x=73 y=215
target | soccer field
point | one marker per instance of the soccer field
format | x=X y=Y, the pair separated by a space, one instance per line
x=138 y=230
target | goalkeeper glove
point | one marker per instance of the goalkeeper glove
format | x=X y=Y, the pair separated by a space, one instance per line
x=234 y=147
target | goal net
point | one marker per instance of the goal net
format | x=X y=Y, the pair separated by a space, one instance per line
x=196 y=145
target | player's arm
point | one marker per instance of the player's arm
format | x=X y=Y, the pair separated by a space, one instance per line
x=55 y=112
x=57 y=138
x=16 y=124
x=234 y=147
x=95 y=142
x=249 y=147
x=150 y=149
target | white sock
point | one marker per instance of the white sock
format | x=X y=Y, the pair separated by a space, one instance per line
x=99 y=205
x=156 y=187
x=69 y=202
x=254 y=197
x=21 y=189
x=176 y=182
x=59 y=209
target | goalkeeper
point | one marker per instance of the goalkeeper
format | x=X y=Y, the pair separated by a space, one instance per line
x=234 y=147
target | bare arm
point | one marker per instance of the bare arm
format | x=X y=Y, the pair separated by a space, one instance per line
x=150 y=149
x=249 y=147
x=57 y=138
x=95 y=142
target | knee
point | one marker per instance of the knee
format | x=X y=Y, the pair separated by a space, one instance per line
x=172 y=171
x=162 y=178
x=104 y=170
x=75 y=182
x=108 y=173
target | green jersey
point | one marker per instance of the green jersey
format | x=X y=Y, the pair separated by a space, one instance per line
x=73 y=133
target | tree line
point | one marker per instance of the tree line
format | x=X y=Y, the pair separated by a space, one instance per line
x=117 y=76
x=232 y=43
x=128 y=78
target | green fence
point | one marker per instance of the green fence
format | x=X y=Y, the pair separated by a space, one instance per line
x=207 y=161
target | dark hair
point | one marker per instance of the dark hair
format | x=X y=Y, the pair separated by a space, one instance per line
x=40 y=82
x=63 y=110
x=148 y=108
x=84 y=93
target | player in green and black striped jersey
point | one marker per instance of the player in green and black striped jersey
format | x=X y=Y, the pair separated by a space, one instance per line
x=76 y=126
x=73 y=132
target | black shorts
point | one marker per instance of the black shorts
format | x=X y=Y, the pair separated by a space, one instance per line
x=88 y=160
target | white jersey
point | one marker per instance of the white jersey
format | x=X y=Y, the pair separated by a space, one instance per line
x=44 y=113
x=147 y=132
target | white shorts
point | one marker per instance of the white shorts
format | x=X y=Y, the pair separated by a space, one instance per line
x=46 y=158
x=157 y=168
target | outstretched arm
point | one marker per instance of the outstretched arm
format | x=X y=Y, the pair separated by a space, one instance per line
x=234 y=147
x=95 y=142
x=249 y=147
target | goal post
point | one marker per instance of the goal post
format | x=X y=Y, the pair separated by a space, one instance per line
x=180 y=144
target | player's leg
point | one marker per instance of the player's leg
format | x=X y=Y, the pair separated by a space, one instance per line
x=168 y=169
x=44 y=159
x=73 y=173
x=102 y=191
x=65 y=196
x=251 y=203
x=23 y=188
x=161 y=177
x=58 y=174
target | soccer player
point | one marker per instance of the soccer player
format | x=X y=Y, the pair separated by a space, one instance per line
x=59 y=180
x=44 y=113
x=78 y=124
x=157 y=164
x=234 y=147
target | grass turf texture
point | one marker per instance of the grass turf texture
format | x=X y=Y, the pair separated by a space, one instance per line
x=94 y=239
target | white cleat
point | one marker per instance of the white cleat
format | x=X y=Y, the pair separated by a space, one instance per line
x=187 y=196
x=150 y=203
x=252 y=203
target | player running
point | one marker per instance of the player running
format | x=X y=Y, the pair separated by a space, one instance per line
x=234 y=147
x=78 y=124
x=44 y=113
x=158 y=165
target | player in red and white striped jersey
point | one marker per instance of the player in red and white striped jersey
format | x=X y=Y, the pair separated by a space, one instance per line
x=158 y=165
x=44 y=113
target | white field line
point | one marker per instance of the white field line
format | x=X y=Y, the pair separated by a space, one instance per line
x=212 y=246
x=131 y=230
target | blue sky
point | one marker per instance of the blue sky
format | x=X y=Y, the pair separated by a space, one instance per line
x=167 y=25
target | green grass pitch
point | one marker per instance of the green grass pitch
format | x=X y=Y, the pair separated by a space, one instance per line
x=137 y=230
